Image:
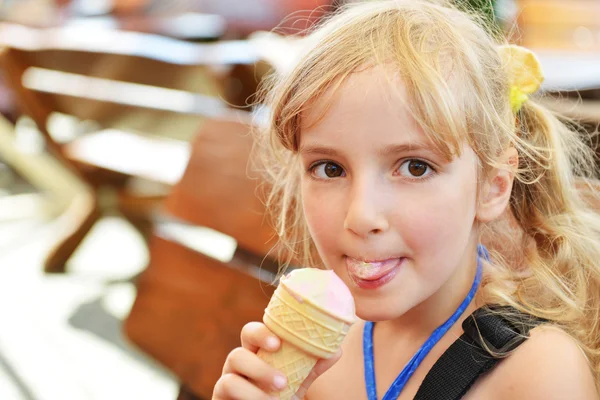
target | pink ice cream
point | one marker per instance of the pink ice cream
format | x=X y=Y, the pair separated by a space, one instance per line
x=311 y=312
x=324 y=289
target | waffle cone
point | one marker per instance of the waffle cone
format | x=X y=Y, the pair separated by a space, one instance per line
x=307 y=332
x=294 y=363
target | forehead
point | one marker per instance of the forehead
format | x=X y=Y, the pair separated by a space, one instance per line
x=372 y=102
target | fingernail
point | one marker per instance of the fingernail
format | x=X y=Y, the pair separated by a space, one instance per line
x=272 y=342
x=279 y=381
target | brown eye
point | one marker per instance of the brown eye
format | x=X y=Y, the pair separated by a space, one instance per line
x=333 y=170
x=415 y=169
x=328 y=170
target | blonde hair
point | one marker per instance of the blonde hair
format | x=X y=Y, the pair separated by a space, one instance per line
x=547 y=249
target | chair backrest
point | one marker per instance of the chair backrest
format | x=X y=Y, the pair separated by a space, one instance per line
x=218 y=188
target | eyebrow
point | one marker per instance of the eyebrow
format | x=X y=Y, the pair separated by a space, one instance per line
x=386 y=151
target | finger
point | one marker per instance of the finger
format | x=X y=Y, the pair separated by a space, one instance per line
x=319 y=369
x=234 y=387
x=255 y=336
x=243 y=362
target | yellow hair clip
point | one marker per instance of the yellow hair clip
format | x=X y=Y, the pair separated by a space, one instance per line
x=524 y=73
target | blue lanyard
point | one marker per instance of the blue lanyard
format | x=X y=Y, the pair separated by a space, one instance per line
x=396 y=388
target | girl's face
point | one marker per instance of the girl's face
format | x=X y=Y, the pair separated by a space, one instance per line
x=387 y=213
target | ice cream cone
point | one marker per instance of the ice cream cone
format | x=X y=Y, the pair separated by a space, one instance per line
x=309 y=331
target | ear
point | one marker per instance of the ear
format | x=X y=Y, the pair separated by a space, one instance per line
x=497 y=188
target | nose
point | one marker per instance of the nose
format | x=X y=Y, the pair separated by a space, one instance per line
x=366 y=214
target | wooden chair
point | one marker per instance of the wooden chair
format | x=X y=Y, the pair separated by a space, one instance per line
x=190 y=307
x=94 y=75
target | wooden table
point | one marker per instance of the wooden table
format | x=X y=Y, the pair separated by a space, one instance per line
x=188 y=26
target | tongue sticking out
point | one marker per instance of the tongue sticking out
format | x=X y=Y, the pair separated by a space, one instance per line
x=370 y=271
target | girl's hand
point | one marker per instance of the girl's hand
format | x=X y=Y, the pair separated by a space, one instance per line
x=245 y=375
x=320 y=367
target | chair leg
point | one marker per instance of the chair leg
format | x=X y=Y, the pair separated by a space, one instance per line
x=80 y=218
x=144 y=226
x=186 y=394
x=140 y=211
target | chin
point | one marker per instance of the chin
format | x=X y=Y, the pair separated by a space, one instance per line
x=377 y=311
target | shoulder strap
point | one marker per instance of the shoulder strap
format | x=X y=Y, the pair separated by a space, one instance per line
x=466 y=359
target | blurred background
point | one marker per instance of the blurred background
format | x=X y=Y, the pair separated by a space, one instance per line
x=133 y=243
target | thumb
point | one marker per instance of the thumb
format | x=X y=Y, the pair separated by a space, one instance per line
x=319 y=369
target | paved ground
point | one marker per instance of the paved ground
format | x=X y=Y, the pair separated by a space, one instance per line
x=60 y=335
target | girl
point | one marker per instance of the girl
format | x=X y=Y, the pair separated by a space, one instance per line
x=402 y=141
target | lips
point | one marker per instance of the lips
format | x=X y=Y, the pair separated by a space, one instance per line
x=372 y=274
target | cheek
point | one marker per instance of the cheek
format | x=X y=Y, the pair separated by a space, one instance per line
x=323 y=212
x=440 y=222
